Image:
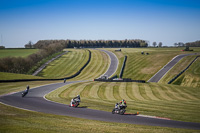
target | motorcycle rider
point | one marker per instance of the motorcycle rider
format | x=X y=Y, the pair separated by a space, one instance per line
x=24 y=93
x=77 y=98
x=117 y=106
x=27 y=89
x=123 y=103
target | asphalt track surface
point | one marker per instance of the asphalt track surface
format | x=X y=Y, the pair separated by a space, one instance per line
x=113 y=63
x=35 y=101
x=167 y=67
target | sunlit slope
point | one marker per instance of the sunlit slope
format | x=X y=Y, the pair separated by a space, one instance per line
x=66 y=65
x=192 y=72
x=14 y=76
x=16 y=52
x=143 y=67
x=175 y=102
x=98 y=65
x=191 y=77
x=18 y=120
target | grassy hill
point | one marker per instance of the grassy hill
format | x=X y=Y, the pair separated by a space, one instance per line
x=17 y=120
x=72 y=61
x=191 y=77
x=143 y=67
x=98 y=65
x=174 y=102
x=157 y=99
x=12 y=76
x=16 y=52
x=66 y=65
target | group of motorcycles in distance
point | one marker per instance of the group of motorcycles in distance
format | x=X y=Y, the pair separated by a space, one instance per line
x=75 y=102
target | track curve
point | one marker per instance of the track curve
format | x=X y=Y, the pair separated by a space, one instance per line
x=35 y=101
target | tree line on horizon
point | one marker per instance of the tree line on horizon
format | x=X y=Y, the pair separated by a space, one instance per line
x=89 y=43
x=193 y=44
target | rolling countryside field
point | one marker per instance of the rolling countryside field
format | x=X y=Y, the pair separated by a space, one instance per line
x=174 y=102
x=16 y=52
x=177 y=102
x=66 y=65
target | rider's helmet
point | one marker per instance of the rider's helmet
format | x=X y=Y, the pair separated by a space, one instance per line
x=117 y=103
x=78 y=96
x=123 y=101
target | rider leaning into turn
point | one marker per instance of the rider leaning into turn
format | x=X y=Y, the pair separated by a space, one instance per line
x=27 y=88
x=77 y=98
x=123 y=102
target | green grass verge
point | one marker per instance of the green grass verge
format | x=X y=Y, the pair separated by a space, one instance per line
x=174 y=102
x=43 y=61
x=13 y=76
x=180 y=66
x=66 y=65
x=190 y=77
x=16 y=120
x=16 y=52
x=143 y=67
x=97 y=66
x=19 y=86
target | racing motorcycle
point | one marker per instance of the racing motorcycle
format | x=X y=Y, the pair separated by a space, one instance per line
x=74 y=103
x=121 y=110
x=24 y=93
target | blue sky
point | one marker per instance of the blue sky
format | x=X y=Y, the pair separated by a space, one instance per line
x=166 y=21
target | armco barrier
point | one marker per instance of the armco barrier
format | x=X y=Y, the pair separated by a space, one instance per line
x=122 y=80
x=172 y=80
x=76 y=74
x=123 y=66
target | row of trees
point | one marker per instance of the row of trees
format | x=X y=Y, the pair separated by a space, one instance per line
x=179 y=44
x=23 y=65
x=155 y=44
x=93 y=43
x=193 y=44
x=2 y=47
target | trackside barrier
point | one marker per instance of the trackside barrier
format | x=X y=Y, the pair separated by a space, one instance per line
x=122 y=80
x=172 y=80
x=76 y=74
x=123 y=66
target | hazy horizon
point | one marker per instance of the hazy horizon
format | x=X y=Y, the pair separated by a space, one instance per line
x=166 y=21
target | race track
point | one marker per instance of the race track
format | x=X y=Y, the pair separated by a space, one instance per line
x=35 y=101
x=167 y=67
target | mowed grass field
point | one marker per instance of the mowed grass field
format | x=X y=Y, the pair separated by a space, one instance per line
x=98 y=65
x=190 y=77
x=12 y=76
x=170 y=101
x=66 y=65
x=143 y=67
x=16 y=52
x=72 y=62
x=20 y=121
